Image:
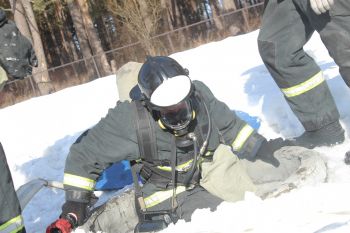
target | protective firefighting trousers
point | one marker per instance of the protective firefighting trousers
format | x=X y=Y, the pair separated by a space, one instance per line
x=285 y=29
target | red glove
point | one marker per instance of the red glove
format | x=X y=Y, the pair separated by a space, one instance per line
x=60 y=226
x=73 y=215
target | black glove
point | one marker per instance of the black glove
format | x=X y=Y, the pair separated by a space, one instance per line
x=268 y=148
x=29 y=70
x=347 y=158
x=33 y=60
x=75 y=212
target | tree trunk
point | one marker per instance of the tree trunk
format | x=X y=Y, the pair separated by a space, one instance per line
x=167 y=16
x=215 y=14
x=53 y=45
x=174 y=13
x=229 y=5
x=93 y=39
x=82 y=37
x=40 y=74
x=67 y=38
x=20 y=19
x=167 y=24
x=149 y=46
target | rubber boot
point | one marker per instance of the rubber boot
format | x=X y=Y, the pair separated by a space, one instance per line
x=329 y=135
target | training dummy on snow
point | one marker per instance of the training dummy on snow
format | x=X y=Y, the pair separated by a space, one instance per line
x=17 y=56
x=189 y=151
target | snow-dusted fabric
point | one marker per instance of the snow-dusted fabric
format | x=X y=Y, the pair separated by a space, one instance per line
x=118 y=215
x=298 y=167
x=225 y=176
x=127 y=79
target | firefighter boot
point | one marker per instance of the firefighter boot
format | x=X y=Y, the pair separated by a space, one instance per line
x=328 y=135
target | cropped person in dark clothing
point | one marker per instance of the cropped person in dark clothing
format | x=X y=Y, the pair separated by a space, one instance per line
x=287 y=25
x=10 y=211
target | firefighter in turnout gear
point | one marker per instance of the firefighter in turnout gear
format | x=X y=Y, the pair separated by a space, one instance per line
x=10 y=211
x=287 y=25
x=169 y=131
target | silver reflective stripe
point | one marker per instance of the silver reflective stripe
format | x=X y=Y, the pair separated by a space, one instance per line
x=209 y=153
x=242 y=137
x=12 y=226
x=79 y=181
x=161 y=196
x=303 y=87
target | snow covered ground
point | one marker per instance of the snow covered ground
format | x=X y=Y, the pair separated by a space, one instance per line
x=36 y=135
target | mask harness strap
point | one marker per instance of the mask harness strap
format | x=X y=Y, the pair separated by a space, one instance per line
x=173 y=173
x=203 y=148
x=147 y=146
x=169 y=215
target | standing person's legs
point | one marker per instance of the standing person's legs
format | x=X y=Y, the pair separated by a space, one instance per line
x=284 y=32
x=334 y=29
x=10 y=210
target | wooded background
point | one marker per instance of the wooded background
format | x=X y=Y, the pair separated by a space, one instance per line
x=77 y=41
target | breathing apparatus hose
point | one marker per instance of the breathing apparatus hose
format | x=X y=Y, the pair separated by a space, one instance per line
x=197 y=155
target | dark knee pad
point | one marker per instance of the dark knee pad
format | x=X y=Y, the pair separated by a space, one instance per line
x=267 y=52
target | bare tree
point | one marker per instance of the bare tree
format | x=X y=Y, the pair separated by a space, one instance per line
x=167 y=22
x=40 y=74
x=20 y=18
x=216 y=13
x=82 y=35
x=229 y=5
x=93 y=39
x=142 y=18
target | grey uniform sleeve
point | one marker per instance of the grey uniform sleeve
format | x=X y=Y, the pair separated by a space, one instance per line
x=111 y=140
x=245 y=141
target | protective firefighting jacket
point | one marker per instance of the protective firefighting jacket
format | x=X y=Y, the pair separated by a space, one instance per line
x=114 y=139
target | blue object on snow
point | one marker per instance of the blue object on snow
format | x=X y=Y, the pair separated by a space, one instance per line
x=119 y=174
x=253 y=121
x=115 y=177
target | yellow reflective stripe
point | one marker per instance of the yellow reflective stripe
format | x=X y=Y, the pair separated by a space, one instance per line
x=12 y=226
x=303 y=87
x=79 y=181
x=161 y=196
x=193 y=114
x=160 y=123
x=242 y=136
x=181 y=167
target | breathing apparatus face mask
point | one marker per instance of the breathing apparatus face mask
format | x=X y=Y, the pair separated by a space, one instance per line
x=172 y=100
x=166 y=89
x=178 y=116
